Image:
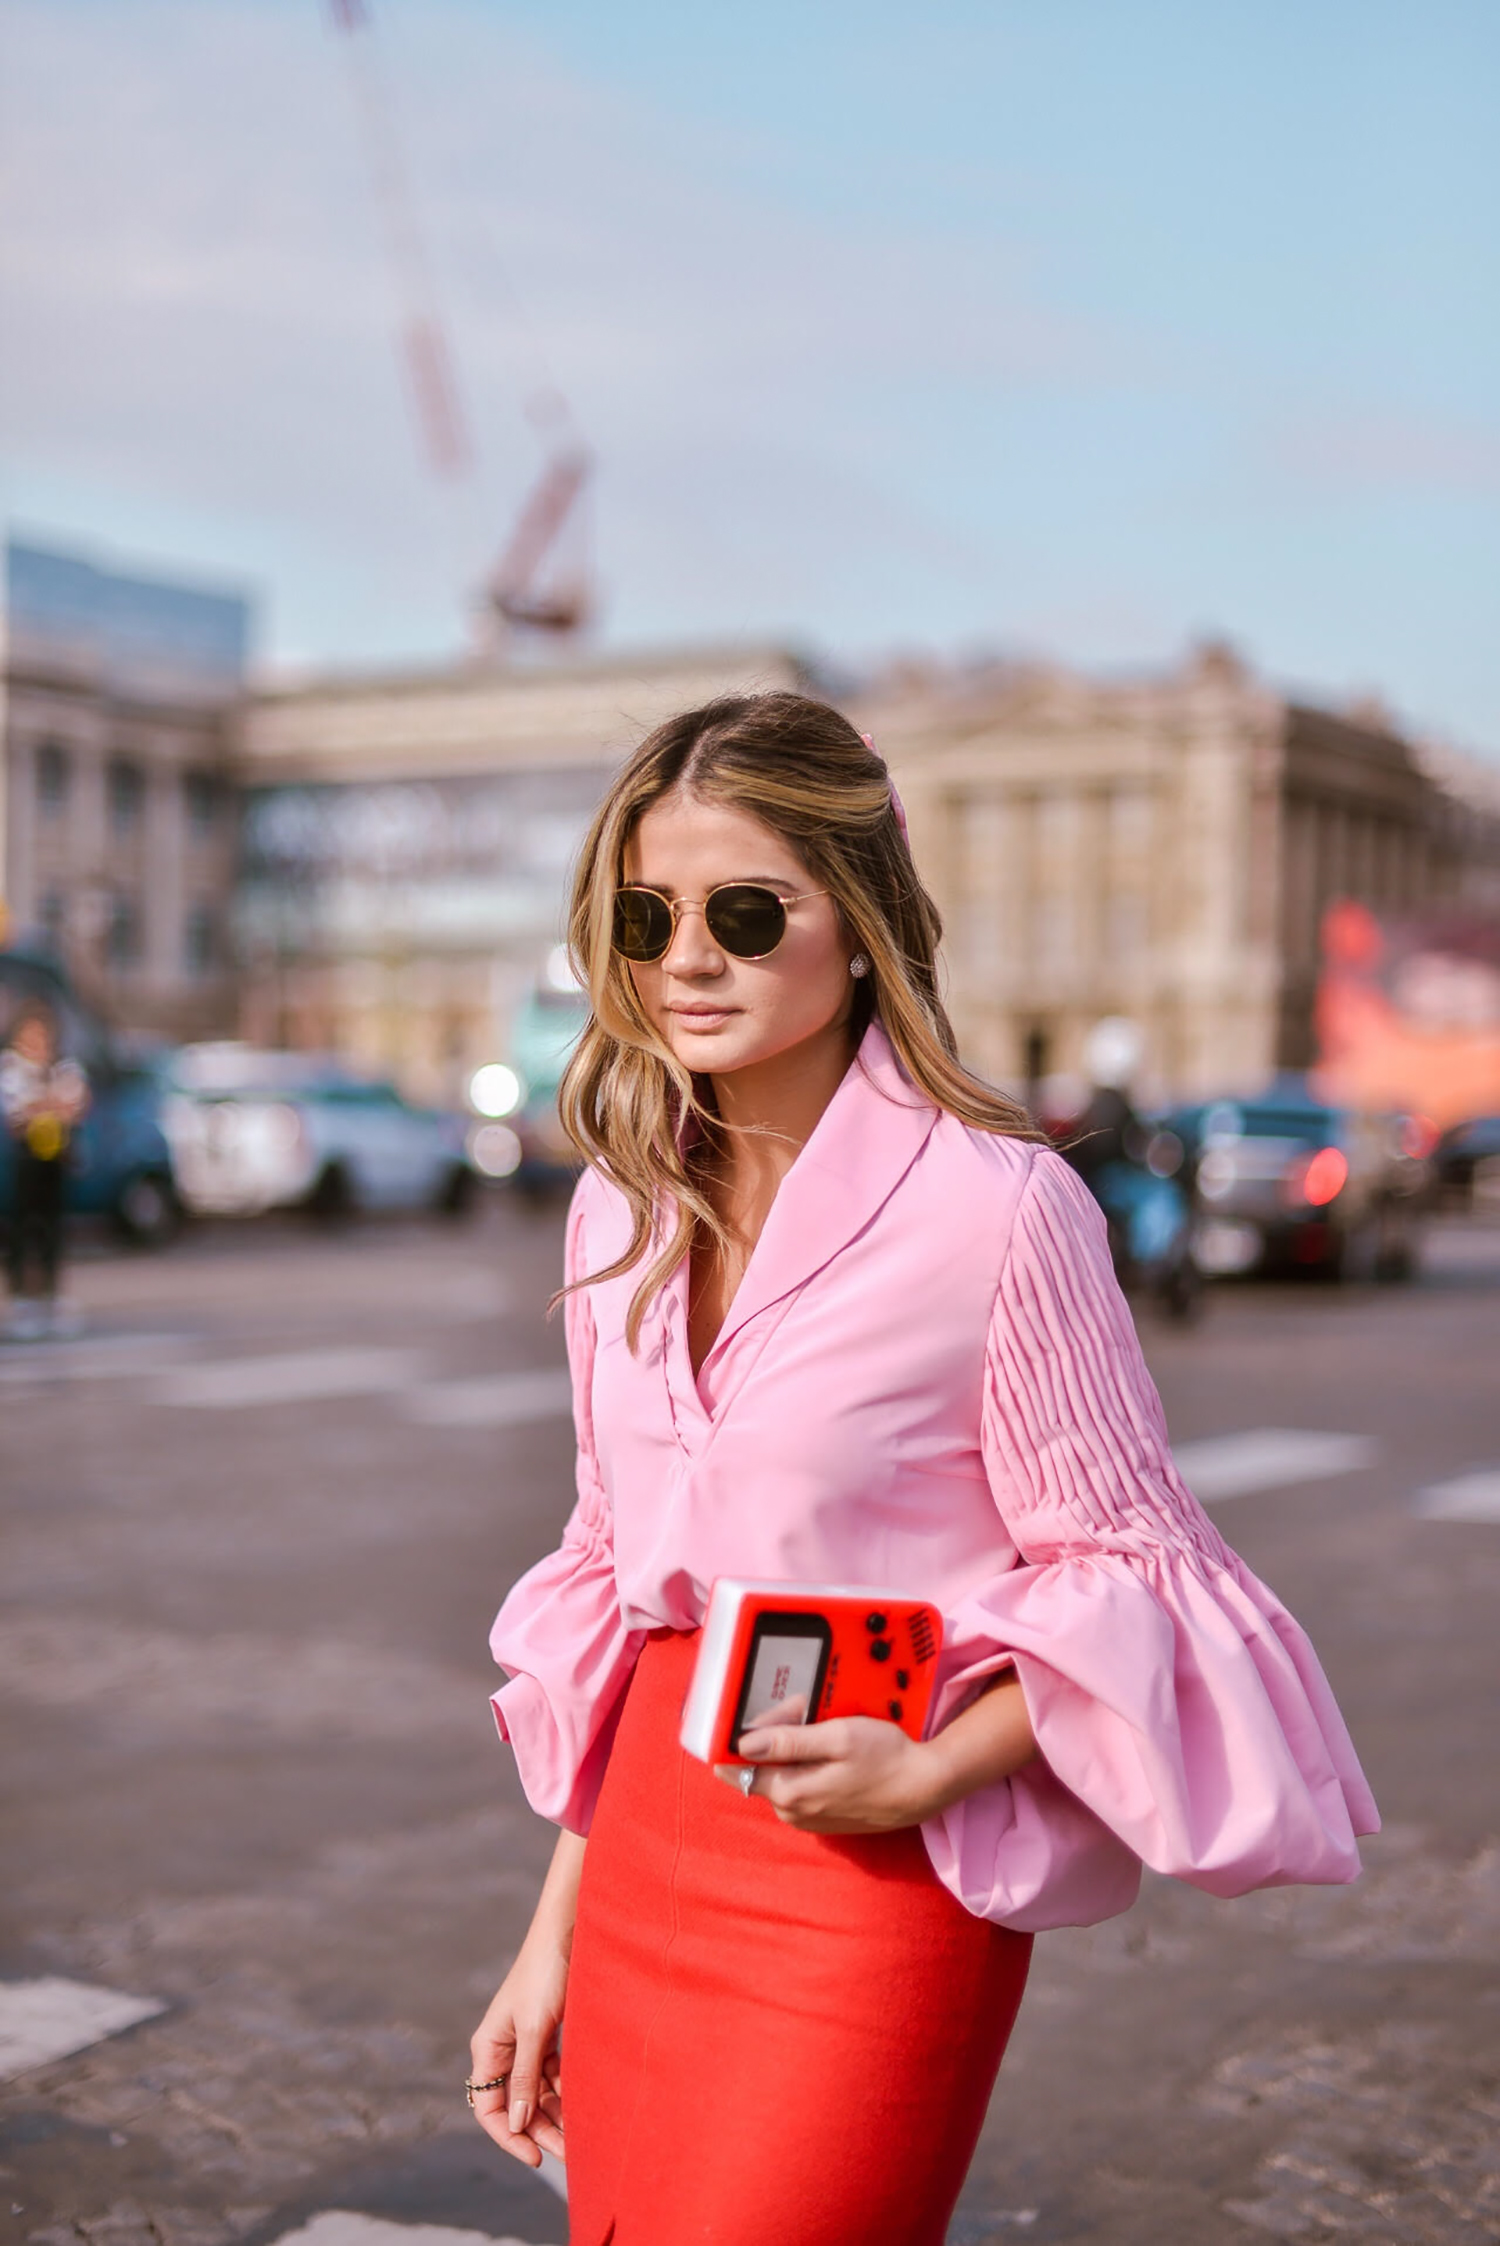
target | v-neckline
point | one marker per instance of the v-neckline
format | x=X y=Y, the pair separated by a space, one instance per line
x=862 y=1144
x=727 y=1312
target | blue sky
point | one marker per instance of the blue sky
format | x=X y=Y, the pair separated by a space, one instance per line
x=1073 y=329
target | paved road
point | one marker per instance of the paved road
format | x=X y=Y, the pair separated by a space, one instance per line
x=256 y=1521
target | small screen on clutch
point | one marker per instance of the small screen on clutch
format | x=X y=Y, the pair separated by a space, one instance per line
x=785 y=1670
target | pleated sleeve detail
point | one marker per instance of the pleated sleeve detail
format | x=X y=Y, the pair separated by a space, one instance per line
x=1182 y=1716
x=560 y=1634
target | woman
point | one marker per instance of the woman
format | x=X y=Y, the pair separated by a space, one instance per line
x=835 y=1315
x=42 y=1100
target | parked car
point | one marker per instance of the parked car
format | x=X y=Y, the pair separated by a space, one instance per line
x=120 y=1164
x=252 y=1131
x=1467 y=1160
x=548 y=1024
x=1286 y=1181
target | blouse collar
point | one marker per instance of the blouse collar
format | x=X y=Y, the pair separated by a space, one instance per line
x=861 y=1147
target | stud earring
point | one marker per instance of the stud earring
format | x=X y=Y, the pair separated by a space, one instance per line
x=859 y=965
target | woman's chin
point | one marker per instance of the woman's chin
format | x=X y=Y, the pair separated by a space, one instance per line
x=727 y=1043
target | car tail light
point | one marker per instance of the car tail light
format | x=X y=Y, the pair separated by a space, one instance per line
x=1419 y=1135
x=1316 y=1179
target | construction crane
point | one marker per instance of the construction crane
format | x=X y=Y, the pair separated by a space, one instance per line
x=519 y=590
x=542 y=581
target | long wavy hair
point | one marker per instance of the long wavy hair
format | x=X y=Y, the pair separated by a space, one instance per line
x=804 y=772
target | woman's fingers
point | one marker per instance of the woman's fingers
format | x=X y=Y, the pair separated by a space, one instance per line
x=794 y=1743
x=546 y=2128
x=493 y=2043
x=526 y=2078
x=521 y=2146
x=492 y=2056
x=490 y=2059
x=495 y=2111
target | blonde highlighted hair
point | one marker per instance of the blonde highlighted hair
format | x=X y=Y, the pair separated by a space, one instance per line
x=804 y=772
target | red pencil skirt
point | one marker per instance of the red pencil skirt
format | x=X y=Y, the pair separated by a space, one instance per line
x=772 y=2038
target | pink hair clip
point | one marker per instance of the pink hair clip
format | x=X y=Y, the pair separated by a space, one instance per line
x=896 y=804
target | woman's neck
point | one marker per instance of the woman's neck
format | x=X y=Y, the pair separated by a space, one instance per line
x=769 y=1111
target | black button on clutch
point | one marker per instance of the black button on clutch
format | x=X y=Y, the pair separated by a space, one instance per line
x=880 y=1649
x=903 y=1678
x=875 y=1623
x=896 y=1709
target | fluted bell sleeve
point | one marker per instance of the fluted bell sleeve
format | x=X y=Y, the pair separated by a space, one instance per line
x=560 y=1634
x=1181 y=1714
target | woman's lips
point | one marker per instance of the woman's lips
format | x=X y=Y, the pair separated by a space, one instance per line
x=702 y=1017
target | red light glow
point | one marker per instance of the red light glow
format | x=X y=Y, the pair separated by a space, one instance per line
x=1419 y=1135
x=1325 y=1177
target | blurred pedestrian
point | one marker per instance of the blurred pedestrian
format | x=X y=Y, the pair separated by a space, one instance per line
x=836 y=1316
x=43 y=1097
x=1108 y=1130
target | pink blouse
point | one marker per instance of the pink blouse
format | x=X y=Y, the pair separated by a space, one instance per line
x=929 y=1380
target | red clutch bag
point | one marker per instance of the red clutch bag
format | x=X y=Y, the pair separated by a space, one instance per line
x=805 y=1652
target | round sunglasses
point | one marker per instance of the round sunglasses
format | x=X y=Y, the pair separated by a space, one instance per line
x=744 y=918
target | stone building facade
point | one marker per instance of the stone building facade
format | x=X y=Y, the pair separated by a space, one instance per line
x=120 y=700
x=1160 y=849
x=377 y=865
x=407 y=842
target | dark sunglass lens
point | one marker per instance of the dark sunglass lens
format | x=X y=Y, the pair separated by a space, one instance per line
x=643 y=924
x=747 y=920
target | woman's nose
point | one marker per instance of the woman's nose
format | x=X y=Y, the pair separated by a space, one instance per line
x=692 y=950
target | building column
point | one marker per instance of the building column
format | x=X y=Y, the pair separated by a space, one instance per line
x=164 y=904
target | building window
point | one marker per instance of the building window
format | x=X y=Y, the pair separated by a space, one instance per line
x=122 y=935
x=54 y=774
x=127 y=794
x=200 y=940
x=202 y=798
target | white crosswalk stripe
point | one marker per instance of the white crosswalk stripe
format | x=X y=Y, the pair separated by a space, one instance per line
x=1267 y=1458
x=338 y=2227
x=49 y=2019
x=1468 y=1497
x=300 y=1376
x=495 y=1400
x=106 y=1357
x=167 y=1373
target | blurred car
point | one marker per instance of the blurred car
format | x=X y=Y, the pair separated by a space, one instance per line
x=1467 y=1160
x=253 y=1131
x=120 y=1163
x=519 y=1135
x=1286 y=1181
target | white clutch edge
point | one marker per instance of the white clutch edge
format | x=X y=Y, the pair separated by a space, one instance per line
x=725 y=1599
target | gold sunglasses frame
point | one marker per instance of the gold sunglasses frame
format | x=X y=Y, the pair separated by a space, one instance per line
x=676 y=905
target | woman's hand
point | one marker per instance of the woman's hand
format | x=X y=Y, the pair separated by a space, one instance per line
x=517 y=2038
x=859 y=1775
x=852 y=1775
x=518 y=2035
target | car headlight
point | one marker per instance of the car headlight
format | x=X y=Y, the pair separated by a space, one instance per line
x=494 y=1150
x=495 y=1090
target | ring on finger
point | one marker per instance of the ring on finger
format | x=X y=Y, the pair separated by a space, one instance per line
x=747 y=1780
x=471 y=2086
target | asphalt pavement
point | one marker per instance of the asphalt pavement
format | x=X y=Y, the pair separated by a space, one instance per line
x=265 y=1860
